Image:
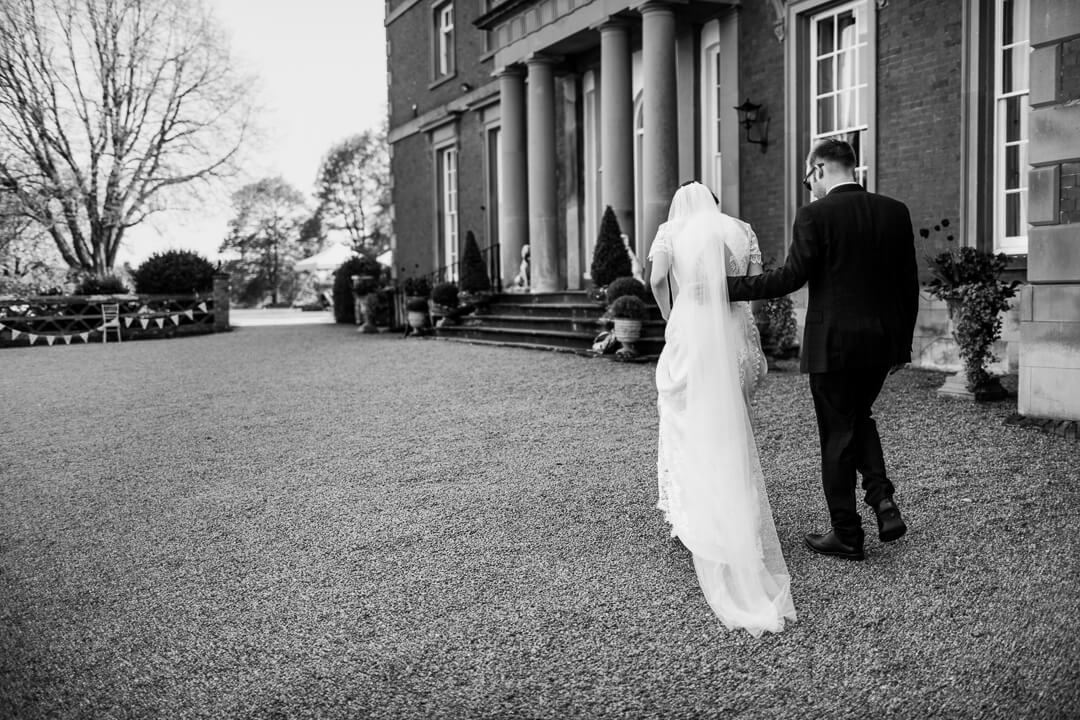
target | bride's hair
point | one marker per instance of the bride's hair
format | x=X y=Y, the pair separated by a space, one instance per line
x=691 y=182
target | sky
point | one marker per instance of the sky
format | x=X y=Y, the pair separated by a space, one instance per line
x=322 y=77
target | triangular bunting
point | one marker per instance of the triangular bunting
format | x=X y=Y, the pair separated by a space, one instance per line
x=85 y=337
x=15 y=334
x=144 y=322
x=160 y=321
x=202 y=306
x=190 y=314
x=128 y=321
x=175 y=319
x=33 y=338
x=67 y=339
x=50 y=339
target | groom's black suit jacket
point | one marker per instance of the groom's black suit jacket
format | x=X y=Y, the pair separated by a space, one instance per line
x=857 y=252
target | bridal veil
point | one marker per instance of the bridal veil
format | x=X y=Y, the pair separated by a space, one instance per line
x=717 y=503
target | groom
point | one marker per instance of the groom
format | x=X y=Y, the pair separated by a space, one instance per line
x=856 y=251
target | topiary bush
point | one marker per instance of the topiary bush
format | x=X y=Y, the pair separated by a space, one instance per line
x=344 y=309
x=418 y=287
x=628 y=307
x=445 y=294
x=626 y=286
x=474 y=275
x=417 y=304
x=610 y=259
x=174 y=272
x=101 y=285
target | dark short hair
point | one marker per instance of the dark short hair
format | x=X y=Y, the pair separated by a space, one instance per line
x=834 y=150
x=691 y=182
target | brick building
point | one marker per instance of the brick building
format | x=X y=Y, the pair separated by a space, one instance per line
x=520 y=120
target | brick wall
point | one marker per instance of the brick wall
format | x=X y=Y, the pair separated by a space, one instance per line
x=414 y=209
x=918 y=117
x=761 y=175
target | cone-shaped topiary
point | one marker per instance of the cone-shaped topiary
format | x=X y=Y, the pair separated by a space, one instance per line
x=610 y=259
x=474 y=276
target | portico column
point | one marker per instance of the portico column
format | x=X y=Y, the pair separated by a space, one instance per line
x=513 y=180
x=617 y=120
x=659 y=162
x=543 y=242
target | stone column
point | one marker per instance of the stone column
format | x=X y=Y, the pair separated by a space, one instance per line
x=543 y=241
x=617 y=121
x=1050 y=305
x=221 y=301
x=513 y=181
x=660 y=153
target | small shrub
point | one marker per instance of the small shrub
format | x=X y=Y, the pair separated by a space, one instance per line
x=628 y=307
x=101 y=285
x=344 y=309
x=417 y=305
x=174 y=272
x=626 y=286
x=445 y=294
x=610 y=259
x=418 y=287
x=474 y=275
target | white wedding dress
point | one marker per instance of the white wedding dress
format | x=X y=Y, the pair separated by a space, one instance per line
x=711 y=487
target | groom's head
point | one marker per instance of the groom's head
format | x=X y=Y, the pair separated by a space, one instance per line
x=831 y=162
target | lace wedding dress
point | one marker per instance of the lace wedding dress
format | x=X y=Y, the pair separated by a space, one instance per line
x=711 y=487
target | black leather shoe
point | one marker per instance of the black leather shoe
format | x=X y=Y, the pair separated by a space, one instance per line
x=829 y=544
x=890 y=524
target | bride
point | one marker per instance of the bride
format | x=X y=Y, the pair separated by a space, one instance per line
x=711 y=486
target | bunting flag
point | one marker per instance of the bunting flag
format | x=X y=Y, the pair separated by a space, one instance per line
x=202 y=306
x=15 y=334
x=190 y=314
x=67 y=339
x=160 y=321
x=33 y=338
x=128 y=321
x=50 y=339
x=85 y=337
x=175 y=319
x=144 y=322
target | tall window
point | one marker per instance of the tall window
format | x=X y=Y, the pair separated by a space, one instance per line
x=839 y=97
x=711 y=174
x=444 y=40
x=1010 y=125
x=448 y=210
x=591 y=167
x=494 y=182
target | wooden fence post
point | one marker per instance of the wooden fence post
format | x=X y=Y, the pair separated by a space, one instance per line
x=221 y=301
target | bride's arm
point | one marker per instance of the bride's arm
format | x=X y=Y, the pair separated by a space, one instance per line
x=658 y=280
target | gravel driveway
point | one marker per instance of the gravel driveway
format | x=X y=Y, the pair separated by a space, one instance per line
x=294 y=522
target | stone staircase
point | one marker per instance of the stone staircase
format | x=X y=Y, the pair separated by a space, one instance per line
x=563 y=321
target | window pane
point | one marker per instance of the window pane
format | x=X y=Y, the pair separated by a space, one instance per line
x=1012 y=214
x=825 y=37
x=1008 y=34
x=846 y=30
x=1012 y=167
x=845 y=69
x=846 y=109
x=825 y=115
x=825 y=76
x=1007 y=70
x=1012 y=117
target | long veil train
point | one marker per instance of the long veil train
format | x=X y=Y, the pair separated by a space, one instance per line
x=717 y=503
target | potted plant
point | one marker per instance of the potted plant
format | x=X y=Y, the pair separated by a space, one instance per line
x=969 y=281
x=417 y=288
x=628 y=312
x=443 y=302
x=416 y=313
x=475 y=285
x=610 y=258
x=626 y=286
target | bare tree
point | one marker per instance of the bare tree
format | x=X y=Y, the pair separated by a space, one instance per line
x=353 y=190
x=107 y=109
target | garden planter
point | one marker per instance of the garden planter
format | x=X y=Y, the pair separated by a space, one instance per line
x=627 y=331
x=417 y=320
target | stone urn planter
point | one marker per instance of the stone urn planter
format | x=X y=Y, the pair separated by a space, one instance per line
x=627 y=314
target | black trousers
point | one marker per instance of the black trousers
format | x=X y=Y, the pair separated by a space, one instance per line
x=844 y=402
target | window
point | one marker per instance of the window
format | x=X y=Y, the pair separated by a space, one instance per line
x=839 y=97
x=444 y=40
x=494 y=182
x=590 y=166
x=1010 y=125
x=447 y=161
